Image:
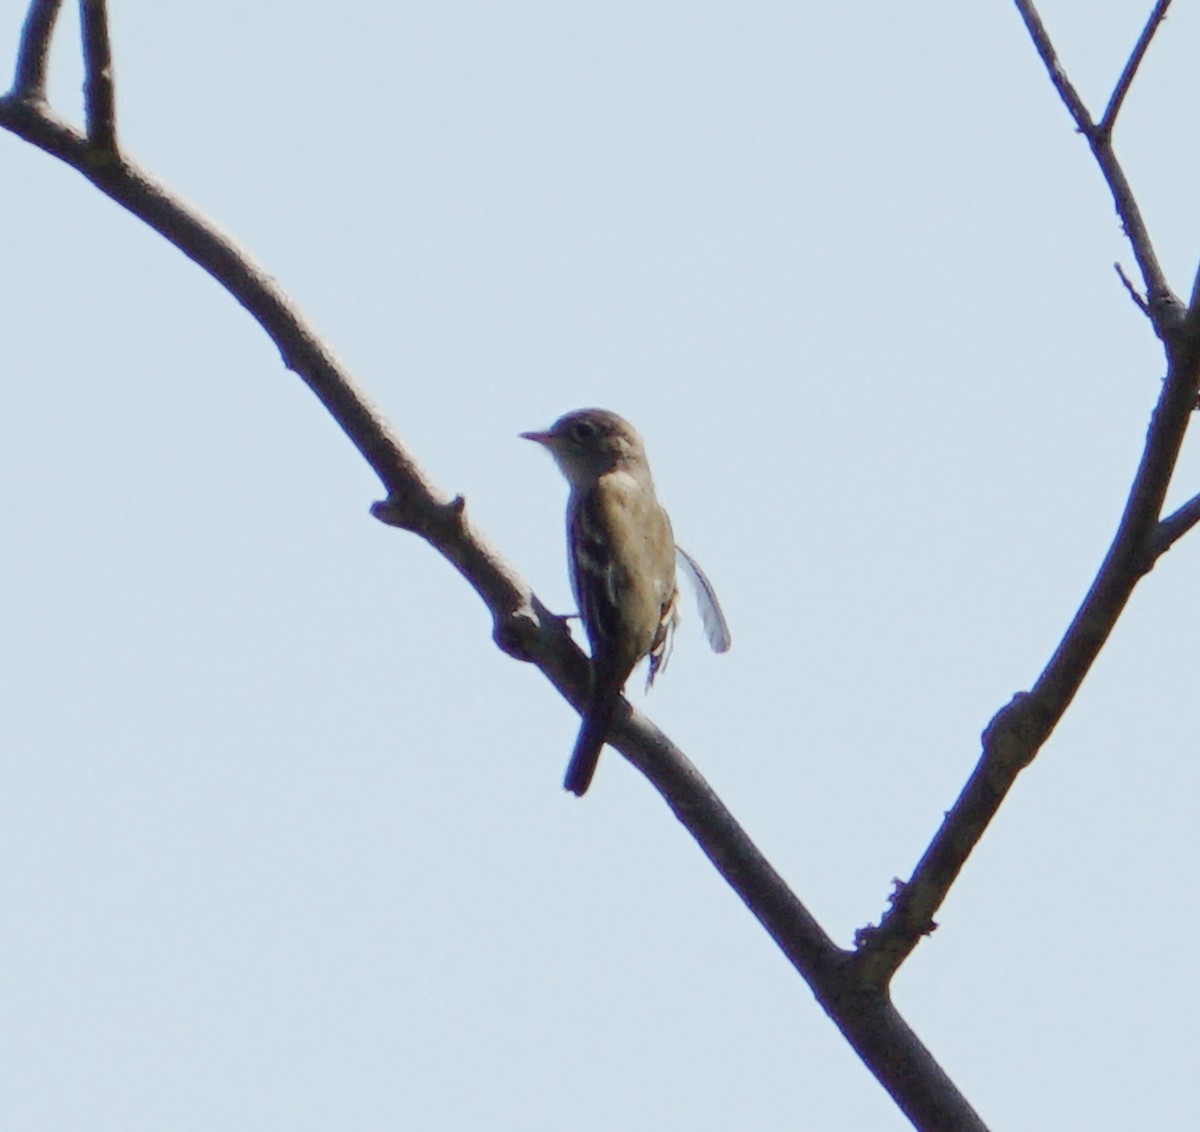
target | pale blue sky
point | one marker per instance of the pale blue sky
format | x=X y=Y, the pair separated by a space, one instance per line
x=282 y=838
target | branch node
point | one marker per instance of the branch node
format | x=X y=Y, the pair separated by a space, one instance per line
x=411 y=512
x=1171 y=529
x=1099 y=138
x=1013 y=736
x=394 y=511
x=524 y=635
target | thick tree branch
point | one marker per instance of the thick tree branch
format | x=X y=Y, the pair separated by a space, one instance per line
x=522 y=625
x=524 y=628
x=1019 y=730
x=1164 y=308
x=851 y=986
x=863 y=1012
x=33 y=54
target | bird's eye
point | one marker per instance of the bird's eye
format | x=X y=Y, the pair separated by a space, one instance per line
x=582 y=430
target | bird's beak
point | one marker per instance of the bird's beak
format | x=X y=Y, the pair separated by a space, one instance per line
x=537 y=437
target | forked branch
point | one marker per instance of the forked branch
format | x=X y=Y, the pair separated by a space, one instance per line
x=1165 y=309
x=1172 y=529
x=1018 y=730
x=851 y=986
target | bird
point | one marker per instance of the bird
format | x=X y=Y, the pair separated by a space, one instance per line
x=622 y=556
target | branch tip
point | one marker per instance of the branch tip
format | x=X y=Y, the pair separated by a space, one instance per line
x=413 y=511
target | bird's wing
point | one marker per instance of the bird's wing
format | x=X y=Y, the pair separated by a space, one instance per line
x=716 y=629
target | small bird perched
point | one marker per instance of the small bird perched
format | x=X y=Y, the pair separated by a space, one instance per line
x=622 y=556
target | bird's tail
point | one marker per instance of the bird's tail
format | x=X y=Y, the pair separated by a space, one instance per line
x=592 y=734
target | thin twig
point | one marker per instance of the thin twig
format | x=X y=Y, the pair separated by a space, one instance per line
x=1171 y=529
x=1066 y=91
x=1131 y=67
x=99 y=98
x=1164 y=308
x=33 y=55
x=1141 y=303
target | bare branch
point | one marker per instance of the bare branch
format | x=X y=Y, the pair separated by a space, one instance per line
x=862 y=1012
x=524 y=628
x=1067 y=92
x=1173 y=528
x=33 y=55
x=1019 y=730
x=1131 y=67
x=1164 y=308
x=99 y=97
